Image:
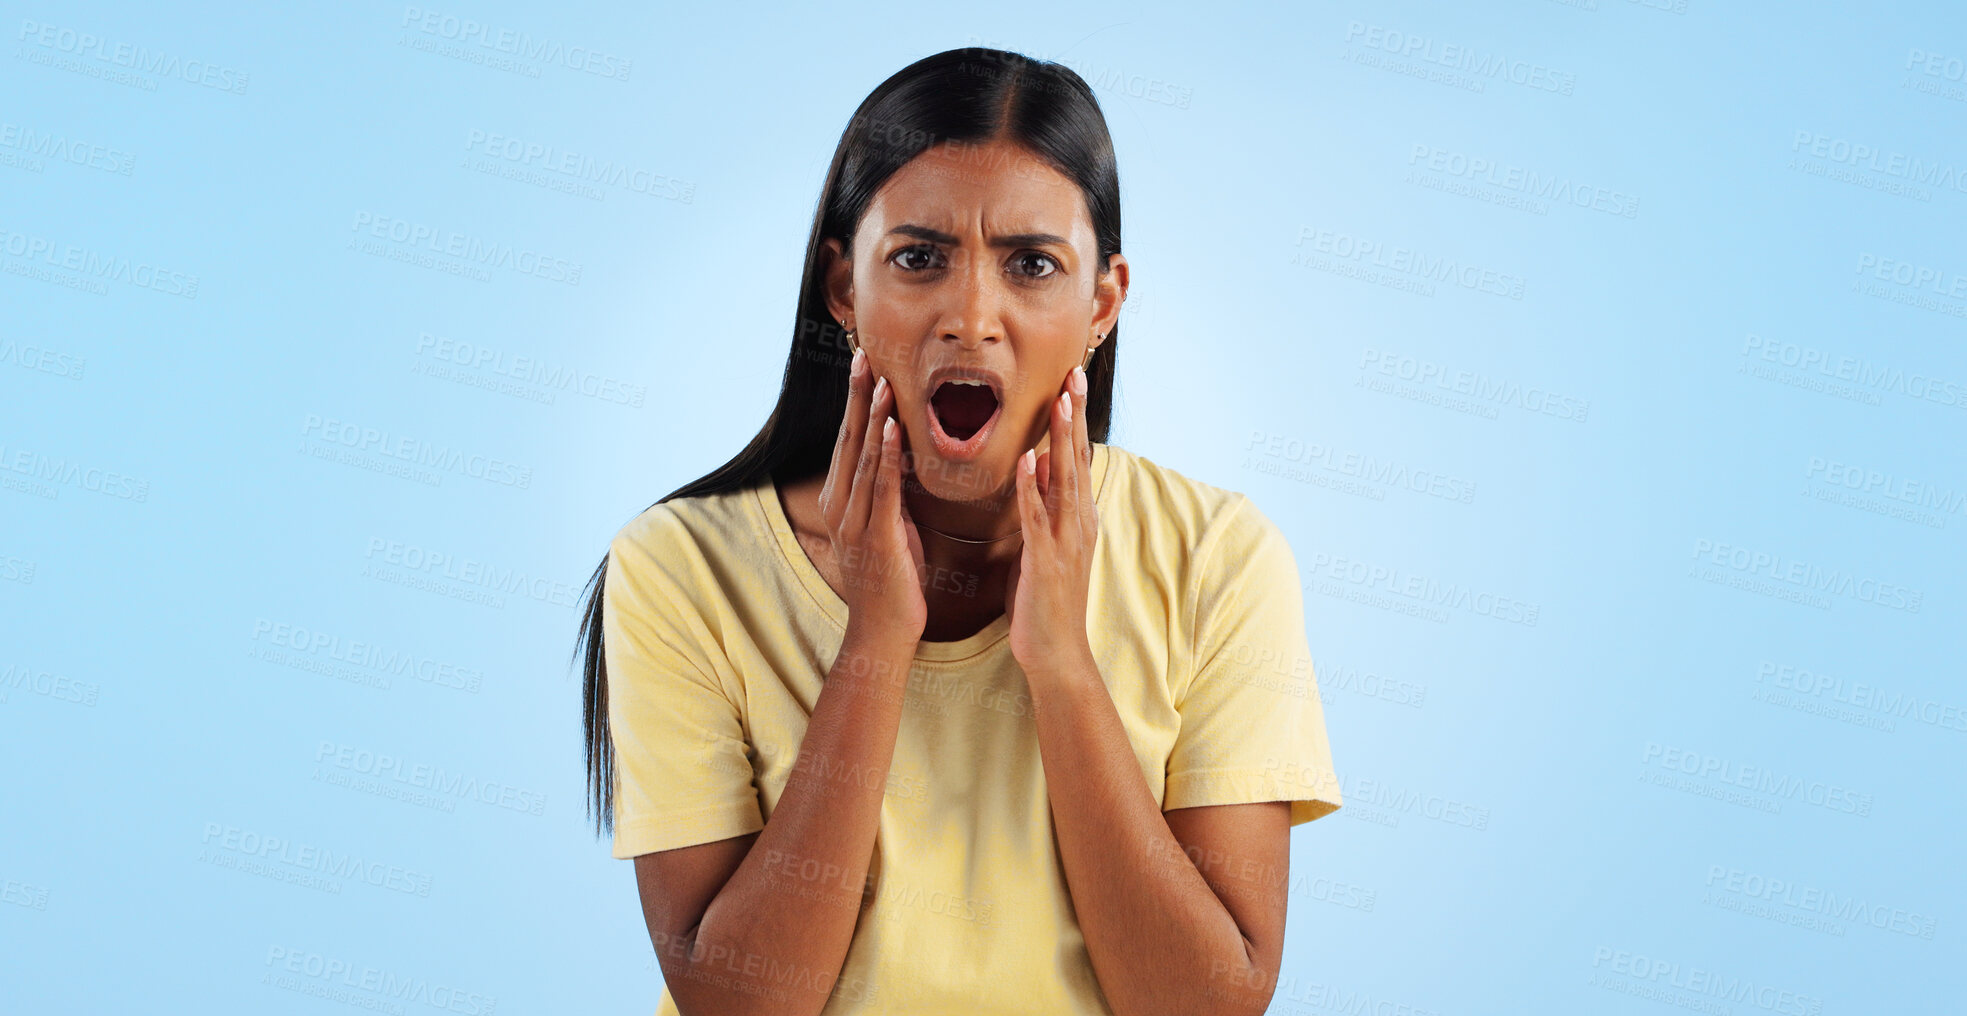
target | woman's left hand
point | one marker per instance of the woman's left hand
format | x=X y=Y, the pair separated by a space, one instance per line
x=1046 y=595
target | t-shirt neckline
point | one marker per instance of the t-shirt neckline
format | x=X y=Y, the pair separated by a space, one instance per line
x=765 y=497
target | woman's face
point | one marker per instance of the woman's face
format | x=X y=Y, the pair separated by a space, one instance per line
x=975 y=261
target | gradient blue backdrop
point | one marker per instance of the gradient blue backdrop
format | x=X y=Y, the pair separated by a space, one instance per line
x=1603 y=362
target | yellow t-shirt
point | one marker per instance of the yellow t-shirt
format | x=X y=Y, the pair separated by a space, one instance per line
x=720 y=632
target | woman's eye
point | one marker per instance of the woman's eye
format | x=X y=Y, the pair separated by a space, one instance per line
x=1029 y=258
x=900 y=257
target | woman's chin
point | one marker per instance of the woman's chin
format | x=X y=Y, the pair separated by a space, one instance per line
x=975 y=480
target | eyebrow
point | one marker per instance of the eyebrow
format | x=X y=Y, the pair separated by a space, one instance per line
x=1007 y=240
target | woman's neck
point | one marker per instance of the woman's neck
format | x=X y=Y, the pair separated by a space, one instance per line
x=984 y=519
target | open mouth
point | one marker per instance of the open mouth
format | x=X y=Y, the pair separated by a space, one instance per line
x=961 y=411
x=963 y=407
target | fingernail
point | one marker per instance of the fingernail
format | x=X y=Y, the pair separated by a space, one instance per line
x=888 y=428
x=1030 y=461
x=854 y=369
x=880 y=385
x=1078 y=380
x=1065 y=406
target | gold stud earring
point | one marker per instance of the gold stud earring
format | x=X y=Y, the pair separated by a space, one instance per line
x=1087 y=360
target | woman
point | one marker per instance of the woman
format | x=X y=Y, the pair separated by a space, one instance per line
x=929 y=701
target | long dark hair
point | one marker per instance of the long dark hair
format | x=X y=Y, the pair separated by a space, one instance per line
x=968 y=95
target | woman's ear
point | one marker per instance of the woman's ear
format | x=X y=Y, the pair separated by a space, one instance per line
x=837 y=280
x=1109 y=293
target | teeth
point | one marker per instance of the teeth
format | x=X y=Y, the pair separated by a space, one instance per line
x=966 y=381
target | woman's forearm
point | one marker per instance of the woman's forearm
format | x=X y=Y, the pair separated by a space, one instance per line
x=776 y=936
x=1159 y=938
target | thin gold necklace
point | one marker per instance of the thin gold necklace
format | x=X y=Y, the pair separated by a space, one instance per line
x=965 y=539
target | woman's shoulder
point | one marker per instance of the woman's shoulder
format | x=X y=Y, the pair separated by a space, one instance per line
x=1169 y=508
x=693 y=528
x=1159 y=491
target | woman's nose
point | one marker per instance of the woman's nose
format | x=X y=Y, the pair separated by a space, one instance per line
x=974 y=314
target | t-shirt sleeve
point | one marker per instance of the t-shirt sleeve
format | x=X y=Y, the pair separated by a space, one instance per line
x=1252 y=725
x=682 y=773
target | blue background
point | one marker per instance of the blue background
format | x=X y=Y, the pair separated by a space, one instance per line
x=1659 y=490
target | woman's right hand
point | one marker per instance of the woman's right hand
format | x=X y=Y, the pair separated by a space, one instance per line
x=875 y=545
